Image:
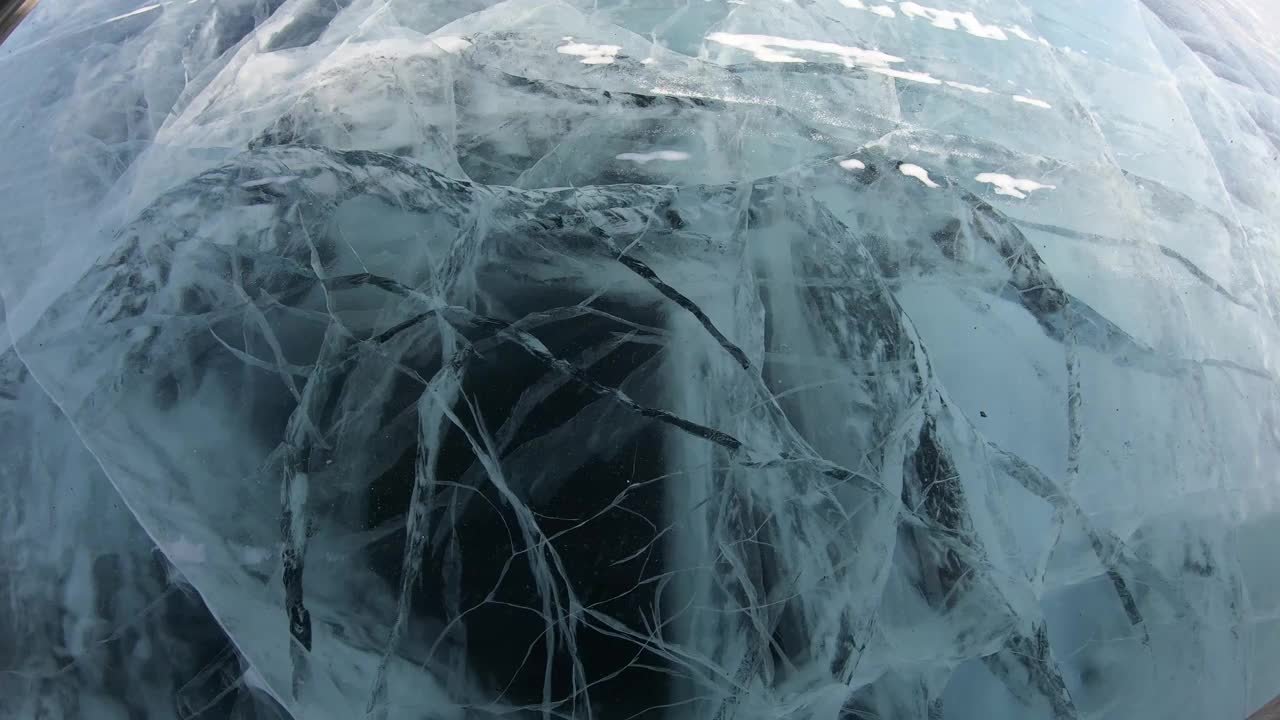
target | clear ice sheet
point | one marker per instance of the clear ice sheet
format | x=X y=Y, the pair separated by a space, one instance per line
x=632 y=360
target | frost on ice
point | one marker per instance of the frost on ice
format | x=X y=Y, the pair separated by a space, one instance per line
x=540 y=359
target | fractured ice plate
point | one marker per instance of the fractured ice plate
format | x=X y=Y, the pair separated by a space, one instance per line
x=812 y=360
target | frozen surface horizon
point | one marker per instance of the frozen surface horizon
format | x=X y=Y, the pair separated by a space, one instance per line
x=813 y=359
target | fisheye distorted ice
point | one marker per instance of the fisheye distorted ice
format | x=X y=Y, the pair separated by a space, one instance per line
x=636 y=360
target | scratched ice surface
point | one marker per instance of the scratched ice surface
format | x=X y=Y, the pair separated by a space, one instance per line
x=640 y=360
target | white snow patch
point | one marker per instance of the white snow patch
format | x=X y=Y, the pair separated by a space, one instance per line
x=969 y=88
x=1032 y=101
x=884 y=11
x=642 y=158
x=952 y=20
x=854 y=4
x=590 y=54
x=912 y=75
x=918 y=173
x=139 y=11
x=853 y=164
x=1019 y=32
x=1012 y=186
x=452 y=43
x=771 y=48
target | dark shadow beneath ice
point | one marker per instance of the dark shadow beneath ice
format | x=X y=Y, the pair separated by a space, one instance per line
x=602 y=518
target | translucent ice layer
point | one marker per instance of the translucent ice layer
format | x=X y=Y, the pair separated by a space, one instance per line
x=638 y=360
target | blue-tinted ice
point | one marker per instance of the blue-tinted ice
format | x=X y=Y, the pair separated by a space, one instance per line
x=640 y=360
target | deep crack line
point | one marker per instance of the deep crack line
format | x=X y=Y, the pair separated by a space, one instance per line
x=646 y=272
x=535 y=347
